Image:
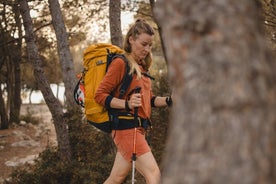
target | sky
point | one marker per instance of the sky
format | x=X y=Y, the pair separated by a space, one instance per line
x=38 y=98
x=127 y=19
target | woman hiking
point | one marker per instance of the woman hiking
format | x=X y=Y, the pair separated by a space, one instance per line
x=130 y=135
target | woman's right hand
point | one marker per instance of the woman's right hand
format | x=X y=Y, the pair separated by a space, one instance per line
x=135 y=100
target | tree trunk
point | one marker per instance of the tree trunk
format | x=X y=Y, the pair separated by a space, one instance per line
x=10 y=86
x=16 y=60
x=57 y=94
x=9 y=82
x=30 y=96
x=3 y=114
x=115 y=22
x=65 y=58
x=152 y=5
x=223 y=76
x=15 y=101
x=3 y=62
x=54 y=105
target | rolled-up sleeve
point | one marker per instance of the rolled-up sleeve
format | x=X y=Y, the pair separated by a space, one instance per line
x=110 y=82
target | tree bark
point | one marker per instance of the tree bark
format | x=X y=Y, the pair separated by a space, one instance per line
x=15 y=86
x=3 y=62
x=65 y=57
x=3 y=114
x=223 y=76
x=152 y=5
x=54 y=105
x=16 y=60
x=115 y=22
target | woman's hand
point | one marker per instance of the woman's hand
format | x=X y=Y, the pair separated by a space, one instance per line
x=135 y=100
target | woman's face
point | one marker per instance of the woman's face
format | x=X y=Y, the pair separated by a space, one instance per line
x=141 y=46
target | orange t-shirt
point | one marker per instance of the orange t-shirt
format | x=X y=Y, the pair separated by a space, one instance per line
x=111 y=83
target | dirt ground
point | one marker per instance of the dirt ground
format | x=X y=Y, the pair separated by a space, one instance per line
x=21 y=144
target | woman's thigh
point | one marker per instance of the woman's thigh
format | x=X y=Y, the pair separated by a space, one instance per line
x=121 y=166
x=147 y=166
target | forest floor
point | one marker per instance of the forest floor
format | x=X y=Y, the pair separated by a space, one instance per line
x=21 y=144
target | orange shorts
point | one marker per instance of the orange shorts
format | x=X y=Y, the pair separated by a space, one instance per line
x=124 y=142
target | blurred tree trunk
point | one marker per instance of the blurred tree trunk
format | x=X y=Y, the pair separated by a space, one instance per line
x=56 y=109
x=115 y=22
x=223 y=76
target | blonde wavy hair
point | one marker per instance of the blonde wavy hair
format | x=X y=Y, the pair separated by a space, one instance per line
x=140 y=26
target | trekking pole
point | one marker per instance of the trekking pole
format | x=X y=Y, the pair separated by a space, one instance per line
x=136 y=90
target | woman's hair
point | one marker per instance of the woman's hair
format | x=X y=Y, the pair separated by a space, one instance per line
x=140 y=26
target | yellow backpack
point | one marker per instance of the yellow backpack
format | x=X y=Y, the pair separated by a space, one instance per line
x=96 y=60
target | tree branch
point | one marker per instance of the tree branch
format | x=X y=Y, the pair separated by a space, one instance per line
x=15 y=39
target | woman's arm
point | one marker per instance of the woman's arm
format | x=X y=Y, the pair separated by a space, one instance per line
x=111 y=80
x=162 y=101
x=134 y=101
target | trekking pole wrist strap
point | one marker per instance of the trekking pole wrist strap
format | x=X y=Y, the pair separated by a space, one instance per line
x=127 y=106
x=152 y=101
x=169 y=101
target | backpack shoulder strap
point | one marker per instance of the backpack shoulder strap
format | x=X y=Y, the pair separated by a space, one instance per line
x=127 y=77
